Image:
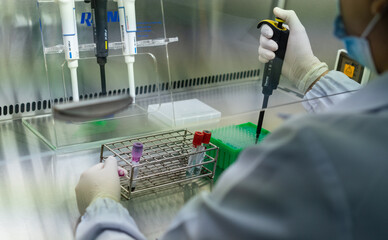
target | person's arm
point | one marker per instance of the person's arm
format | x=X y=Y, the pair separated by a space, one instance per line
x=331 y=89
x=106 y=218
x=319 y=78
x=279 y=190
x=98 y=195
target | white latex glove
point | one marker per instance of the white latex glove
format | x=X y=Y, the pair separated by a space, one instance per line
x=300 y=65
x=101 y=180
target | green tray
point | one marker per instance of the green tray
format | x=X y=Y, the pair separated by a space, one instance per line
x=231 y=140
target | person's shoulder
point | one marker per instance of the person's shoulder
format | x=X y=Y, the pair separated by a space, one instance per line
x=312 y=125
x=292 y=139
x=334 y=134
x=329 y=127
x=329 y=133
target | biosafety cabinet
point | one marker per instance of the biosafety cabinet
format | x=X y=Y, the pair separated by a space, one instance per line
x=195 y=66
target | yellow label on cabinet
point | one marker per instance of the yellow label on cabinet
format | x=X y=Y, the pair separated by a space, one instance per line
x=349 y=70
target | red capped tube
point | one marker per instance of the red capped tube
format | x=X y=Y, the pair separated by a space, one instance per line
x=206 y=136
x=198 y=137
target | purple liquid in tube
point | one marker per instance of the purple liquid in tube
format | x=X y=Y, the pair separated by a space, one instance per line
x=137 y=152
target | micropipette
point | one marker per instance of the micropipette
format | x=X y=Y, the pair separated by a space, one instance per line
x=273 y=68
x=128 y=30
x=70 y=41
x=100 y=33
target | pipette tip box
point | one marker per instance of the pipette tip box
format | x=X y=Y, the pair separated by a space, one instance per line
x=184 y=113
x=231 y=140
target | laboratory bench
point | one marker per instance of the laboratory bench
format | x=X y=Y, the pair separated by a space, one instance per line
x=37 y=197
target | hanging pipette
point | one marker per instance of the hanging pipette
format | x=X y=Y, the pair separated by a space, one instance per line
x=70 y=41
x=127 y=15
x=273 y=68
x=100 y=33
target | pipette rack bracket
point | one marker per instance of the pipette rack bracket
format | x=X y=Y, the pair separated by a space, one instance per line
x=164 y=161
x=151 y=71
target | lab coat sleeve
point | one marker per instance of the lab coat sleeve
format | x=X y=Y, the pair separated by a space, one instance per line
x=328 y=91
x=107 y=219
x=283 y=189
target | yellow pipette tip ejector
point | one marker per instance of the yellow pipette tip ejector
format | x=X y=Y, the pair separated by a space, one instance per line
x=276 y=24
x=279 y=20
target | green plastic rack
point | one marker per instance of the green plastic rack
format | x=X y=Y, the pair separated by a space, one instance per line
x=231 y=140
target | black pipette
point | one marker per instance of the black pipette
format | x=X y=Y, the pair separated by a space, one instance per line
x=273 y=68
x=100 y=33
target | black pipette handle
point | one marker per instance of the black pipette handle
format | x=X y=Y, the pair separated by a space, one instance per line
x=273 y=68
x=100 y=27
x=100 y=35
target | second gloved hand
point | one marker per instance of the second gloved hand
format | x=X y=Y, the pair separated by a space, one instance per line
x=300 y=65
x=101 y=180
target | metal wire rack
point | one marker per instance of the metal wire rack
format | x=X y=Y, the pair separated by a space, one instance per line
x=164 y=161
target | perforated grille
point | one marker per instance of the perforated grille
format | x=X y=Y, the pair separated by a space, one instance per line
x=8 y=111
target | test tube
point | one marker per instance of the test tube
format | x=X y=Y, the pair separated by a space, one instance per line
x=201 y=156
x=137 y=152
x=197 y=141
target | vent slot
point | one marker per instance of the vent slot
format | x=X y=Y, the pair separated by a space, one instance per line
x=28 y=107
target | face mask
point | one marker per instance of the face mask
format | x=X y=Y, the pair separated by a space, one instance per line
x=358 y=47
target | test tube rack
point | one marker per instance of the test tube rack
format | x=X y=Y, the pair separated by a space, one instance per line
x=164 y=161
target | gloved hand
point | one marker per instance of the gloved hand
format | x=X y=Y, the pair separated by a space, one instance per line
x=300 y=65
x=101 y=180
